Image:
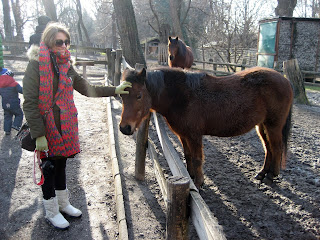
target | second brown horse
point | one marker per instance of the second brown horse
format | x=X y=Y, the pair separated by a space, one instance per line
x=197 y=104
x=180 y=55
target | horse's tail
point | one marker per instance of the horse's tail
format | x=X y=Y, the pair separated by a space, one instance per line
x=285 y=138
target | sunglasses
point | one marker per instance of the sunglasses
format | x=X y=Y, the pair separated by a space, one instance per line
x=60 y=42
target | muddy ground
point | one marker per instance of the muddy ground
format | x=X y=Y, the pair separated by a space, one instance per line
x=245 y=208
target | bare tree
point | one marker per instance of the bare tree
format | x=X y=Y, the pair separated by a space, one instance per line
x=16 y=9
x=80 y=25
x=50 y=9
x=285 y=8
x=7 y=20
x=128 y=32
x=175 y=8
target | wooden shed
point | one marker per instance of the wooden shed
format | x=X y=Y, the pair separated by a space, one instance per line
x=152 y=44
x=286 y=38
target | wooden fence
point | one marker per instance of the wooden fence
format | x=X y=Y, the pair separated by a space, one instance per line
x=174 y=188
x=112 y=58
x=236 y=67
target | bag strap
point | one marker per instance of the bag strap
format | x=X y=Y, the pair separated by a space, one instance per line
x=53 y=103
x=37 y=156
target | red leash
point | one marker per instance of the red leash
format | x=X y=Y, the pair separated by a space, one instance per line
x=37 y=156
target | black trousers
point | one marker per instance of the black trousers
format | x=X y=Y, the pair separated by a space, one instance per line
x=54 y=172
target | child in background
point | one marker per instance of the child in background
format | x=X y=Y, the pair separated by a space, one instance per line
x=9 y=90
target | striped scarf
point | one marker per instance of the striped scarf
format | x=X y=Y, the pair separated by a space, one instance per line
x=67 y=143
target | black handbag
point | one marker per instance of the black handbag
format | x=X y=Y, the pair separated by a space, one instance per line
x=24 y=135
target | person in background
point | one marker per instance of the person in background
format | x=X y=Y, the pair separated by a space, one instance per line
x=9 y=90
x=4 y=71
x=42 y=23
x=50 y=76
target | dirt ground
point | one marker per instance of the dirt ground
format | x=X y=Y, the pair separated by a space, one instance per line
x=245 y=208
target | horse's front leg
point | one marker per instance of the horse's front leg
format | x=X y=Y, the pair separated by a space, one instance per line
x=196 y=151
x=187 y=155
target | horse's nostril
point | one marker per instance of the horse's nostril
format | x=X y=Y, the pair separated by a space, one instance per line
x=126 y=130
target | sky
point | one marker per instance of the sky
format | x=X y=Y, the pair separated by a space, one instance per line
x=86 y=4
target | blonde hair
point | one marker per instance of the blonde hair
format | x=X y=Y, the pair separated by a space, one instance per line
x=50 y=32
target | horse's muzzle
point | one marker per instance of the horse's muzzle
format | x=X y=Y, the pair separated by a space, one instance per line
x=126 y=130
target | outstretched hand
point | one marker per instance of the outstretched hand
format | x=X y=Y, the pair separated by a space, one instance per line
x=41 y=144
x=122 y=86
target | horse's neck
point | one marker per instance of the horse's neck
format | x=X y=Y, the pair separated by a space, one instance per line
x=182 y=49
x=155 y=86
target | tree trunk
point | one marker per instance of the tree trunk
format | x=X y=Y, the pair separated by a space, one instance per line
x=81 y=24
x=292 y=72
x=50 y=9
x=285 y=8
x=128 y=32
x=114 y=31
x=175 y=9
x=17 y=17
x=7 y=20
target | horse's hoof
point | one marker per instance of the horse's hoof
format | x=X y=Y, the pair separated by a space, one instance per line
x=199 y=186
x=260 y=176
x=268 y=180
x=199 y=183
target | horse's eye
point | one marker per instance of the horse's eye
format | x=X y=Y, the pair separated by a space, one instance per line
x=139 y=96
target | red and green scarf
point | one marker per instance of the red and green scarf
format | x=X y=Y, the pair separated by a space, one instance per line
x=67 y=143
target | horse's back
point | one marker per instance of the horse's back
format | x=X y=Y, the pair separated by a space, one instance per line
x=242 y=100
x=189 y=57
x=268 y=81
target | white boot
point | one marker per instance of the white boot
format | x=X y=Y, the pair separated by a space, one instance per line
x=53 y=215
x=64 y=204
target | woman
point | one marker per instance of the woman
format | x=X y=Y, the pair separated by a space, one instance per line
x=48 y=93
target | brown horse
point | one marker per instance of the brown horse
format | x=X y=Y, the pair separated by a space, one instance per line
x=197 y=104
x=180 y=55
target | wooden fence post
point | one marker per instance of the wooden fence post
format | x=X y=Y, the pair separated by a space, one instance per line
x=142 y=142
x=292 y=72
x=109 y=62
x=244 y=62
x=163 y=54
x=113 y=59
x=117 y=69
x=177 y=208
x=203 y=57
x=141 y=149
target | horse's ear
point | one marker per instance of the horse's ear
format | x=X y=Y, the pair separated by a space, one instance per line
x=143 y=72
x=142 y=76
x=177 y=38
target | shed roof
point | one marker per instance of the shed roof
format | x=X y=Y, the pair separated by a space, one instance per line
x=289 y=18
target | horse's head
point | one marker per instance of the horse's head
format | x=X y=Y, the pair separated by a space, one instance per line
x=135 y=105
x=173 y=47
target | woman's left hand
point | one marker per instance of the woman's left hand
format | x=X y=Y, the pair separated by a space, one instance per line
x=41 y=144
x=122 y=86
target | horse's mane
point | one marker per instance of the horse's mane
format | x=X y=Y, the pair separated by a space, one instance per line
x=182 y=48
x=156 y=83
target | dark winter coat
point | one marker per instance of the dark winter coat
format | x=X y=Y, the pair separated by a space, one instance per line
x=9 y=90
x=35 y=38
x=31 y=82
x=42 y=23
